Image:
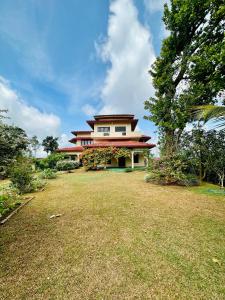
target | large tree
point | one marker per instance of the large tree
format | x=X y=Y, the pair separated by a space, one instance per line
x=191 y=67
x=50 y=144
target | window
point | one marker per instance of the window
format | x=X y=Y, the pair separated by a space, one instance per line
x=136 y=158
x=120 y=129
x=103 y=129
x=109 y=162
x=86 y=142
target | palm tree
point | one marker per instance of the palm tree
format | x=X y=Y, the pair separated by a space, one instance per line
x=211 y=112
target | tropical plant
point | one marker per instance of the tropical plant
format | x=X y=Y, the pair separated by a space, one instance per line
x=211 y=112
x=94 y=158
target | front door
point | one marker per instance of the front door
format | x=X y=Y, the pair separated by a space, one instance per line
x=122 y=162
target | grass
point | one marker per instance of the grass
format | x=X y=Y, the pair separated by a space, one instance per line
x=118 y=238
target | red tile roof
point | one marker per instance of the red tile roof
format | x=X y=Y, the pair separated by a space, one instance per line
x=71 y=149
x=120 y=144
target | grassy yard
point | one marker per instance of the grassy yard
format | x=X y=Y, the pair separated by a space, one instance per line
x=118 y=238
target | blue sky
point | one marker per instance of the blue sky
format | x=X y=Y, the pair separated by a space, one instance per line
x=63 y=61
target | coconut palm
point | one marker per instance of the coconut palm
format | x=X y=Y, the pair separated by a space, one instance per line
x=211 y=112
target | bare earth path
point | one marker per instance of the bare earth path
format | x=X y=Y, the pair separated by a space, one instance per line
x=118 y=238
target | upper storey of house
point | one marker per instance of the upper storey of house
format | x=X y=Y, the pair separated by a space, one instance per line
x=110 y=127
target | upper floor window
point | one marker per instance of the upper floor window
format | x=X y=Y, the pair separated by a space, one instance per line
x=103 y=129
x=120 y=129
x=86 y=142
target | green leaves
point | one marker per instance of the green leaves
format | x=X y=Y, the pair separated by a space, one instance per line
x=191 y=67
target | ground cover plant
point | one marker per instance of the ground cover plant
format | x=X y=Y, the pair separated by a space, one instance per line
x=117 y=238
x=9 y=200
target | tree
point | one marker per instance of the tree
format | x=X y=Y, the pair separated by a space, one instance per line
x=191 y=67
x=50 y=144
x=205 y=153
x=34 y=143
x=13 y=143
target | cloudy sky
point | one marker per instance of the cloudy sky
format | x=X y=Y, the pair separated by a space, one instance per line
x=63 y=61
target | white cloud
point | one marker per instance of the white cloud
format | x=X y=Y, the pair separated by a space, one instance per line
x=128 y=48
x=155 y=5
x=32 y=120
x=89 y=110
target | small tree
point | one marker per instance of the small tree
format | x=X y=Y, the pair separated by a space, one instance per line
x=34 y=144
x=50 y=144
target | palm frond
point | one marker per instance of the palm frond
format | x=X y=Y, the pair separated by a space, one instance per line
x=206 y=113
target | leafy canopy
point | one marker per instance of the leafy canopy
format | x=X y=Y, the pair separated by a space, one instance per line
x=191 y=67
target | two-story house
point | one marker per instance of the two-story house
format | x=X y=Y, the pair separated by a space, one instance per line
x=111 y=131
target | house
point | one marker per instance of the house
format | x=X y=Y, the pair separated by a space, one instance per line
x=111 y=131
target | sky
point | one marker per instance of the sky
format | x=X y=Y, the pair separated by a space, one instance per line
x=61 y=62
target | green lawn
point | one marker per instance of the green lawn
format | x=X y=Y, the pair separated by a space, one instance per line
x=118 y=238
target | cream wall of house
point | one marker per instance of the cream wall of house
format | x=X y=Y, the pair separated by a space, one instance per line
x=83 y=135
x=112 y=132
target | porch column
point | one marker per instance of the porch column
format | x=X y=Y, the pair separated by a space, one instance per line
x=132 y=159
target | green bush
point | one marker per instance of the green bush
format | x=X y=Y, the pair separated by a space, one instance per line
x=49 y=162
x=48 y=174
x=9 y=199
x=190 y=180
x=38 y=184
x=66 y=165
x=21 y=175
x=170 y=170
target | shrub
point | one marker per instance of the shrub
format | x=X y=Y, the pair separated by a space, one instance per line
x=66 y=165
x=49 y=162
x=190 y=180
x=9 y=199
x=38 y=184
x=170 y=170
x=21 y=175
x=48 y=174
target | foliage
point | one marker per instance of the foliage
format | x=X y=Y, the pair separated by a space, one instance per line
x=9 y=199
x=170 y=170
x=13 y=143
x=211 y=112
x=191 y=67
x=34 y=144
x=66 y=165
x=50 y=144
x=48 y=174
x=205 y=151
x=21 y=175
x=49 y=162
x=92 y=158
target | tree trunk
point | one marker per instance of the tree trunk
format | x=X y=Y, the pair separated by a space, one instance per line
x=170 y=143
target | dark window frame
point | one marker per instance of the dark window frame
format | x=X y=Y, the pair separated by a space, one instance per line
x=120 y=128
x=103 y=129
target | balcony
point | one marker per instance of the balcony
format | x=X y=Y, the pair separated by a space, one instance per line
x=131 y=134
